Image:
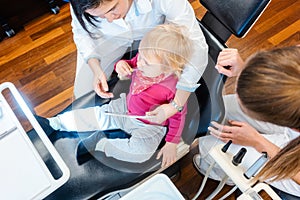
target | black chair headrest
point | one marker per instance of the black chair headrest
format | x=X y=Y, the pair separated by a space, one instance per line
x=237 y=16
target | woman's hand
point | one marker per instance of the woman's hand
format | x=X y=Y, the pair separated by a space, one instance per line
x=101 y=87
x=229 y=62
x=165 y=111
x=243 y=134
x=238 y=132
x=168 y=153
x=161 y=113
x=99 y=81
x=123 y=69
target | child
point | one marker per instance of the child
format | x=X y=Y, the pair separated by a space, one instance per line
x=154 y=71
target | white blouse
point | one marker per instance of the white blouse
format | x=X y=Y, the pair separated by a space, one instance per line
x=142 y=16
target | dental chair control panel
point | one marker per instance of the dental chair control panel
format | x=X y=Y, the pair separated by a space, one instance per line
x=237 y=174
x=24 y=174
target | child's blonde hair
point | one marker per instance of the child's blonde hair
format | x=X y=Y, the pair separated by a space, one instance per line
x=170 y=44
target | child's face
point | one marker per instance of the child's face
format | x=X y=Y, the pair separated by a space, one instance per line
x=150 y=66
x=111 y=10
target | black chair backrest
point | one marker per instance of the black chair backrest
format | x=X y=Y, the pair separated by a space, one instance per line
x=209 y=93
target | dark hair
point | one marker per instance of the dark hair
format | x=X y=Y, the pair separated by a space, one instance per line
x=269 y=86
x=79 y=8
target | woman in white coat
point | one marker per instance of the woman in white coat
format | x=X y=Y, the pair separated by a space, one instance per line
x=264 y=115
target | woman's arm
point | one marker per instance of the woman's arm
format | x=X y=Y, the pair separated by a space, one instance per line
x=100 y=80
x=85 y=44
x=173 y=136
x=181 y=12
x=265 y=145
x=166 y=111
x=86 y=47
x=242 y=133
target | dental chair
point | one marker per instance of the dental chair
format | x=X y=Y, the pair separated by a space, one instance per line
x=107 y=178
x=223 y=19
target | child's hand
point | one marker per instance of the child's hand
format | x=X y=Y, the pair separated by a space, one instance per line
x=168 y=152
x=123 y=69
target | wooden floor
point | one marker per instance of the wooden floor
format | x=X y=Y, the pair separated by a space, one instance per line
x=40 y=60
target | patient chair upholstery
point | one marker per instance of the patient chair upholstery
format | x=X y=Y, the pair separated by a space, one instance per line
x=102 y=175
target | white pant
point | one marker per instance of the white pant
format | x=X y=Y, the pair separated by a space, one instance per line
x=139 y=147
x=278 y=135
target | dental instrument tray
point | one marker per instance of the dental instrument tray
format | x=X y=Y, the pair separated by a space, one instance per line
x=23 y=172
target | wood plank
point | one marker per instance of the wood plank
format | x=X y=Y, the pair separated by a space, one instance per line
x=291 y=40
x=279 y=16
x=19 y=39
x=25 y=48
x=37 y=33
x=285 y=33
x=49 y=108
x=38 y=90
x=8 y=75
x=60 y=53
x=44 y=21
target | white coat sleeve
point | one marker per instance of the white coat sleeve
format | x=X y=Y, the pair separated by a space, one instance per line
x=181 y=12
x=85 y=44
